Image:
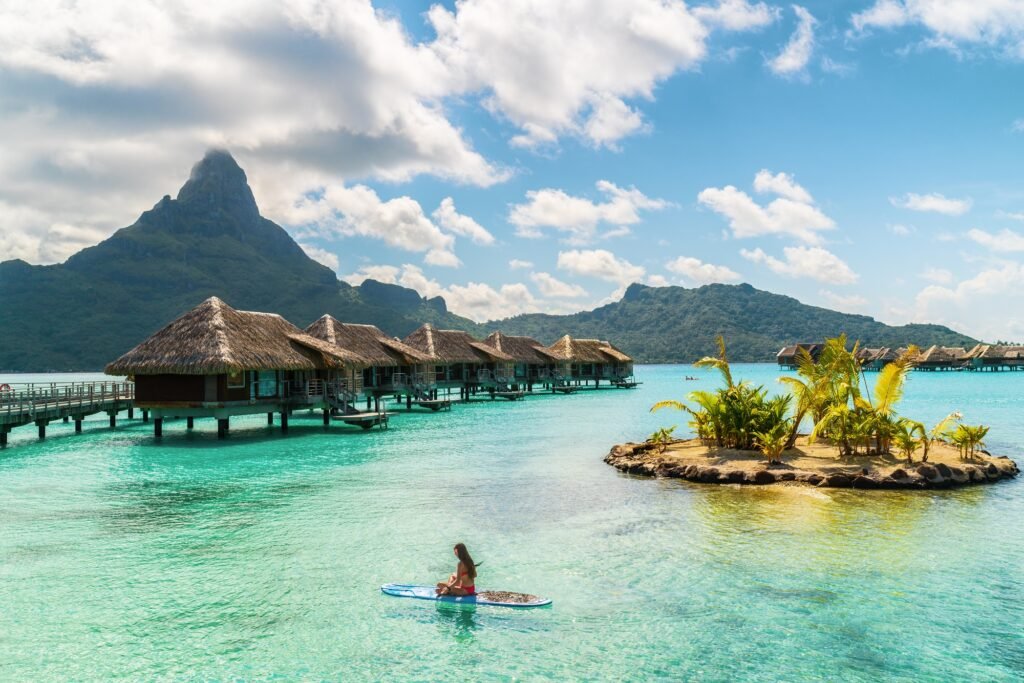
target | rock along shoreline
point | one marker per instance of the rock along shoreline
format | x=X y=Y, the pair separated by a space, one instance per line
x=641 y=459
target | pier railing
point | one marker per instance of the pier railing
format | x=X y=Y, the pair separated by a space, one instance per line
x=32 y=398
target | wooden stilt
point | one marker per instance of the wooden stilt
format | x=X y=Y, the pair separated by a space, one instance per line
x=42 y=428
x=190 y=422
x=408 y=401
x=65 y=420
x=158 y=427
x=78 y=426
x=131 y=412
x=145 y=416
x=284 y=421
x=113 y=420
x=3 y=439
x=327 y=417
x=270 y=418
x=222 y=427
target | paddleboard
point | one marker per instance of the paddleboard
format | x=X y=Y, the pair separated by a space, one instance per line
x=492 y=598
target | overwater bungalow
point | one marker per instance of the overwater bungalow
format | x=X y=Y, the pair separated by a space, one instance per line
x=941 y=358
x=462 y=362
x=877 y=358
x=995 y=357
x=534 y=364
x=393 y=367
x=581 y=361
x=787 y=356
x=216 y=361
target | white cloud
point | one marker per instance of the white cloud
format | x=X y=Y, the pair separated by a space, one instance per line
x=848 y=303
x=806 y=262
x=933 y=202
x=556 y=68
x=697 y=272
x=792 y=214
x=1016 y=216
x=1003 y=241
x=601 y=264
x=321 y=255
x=519 y=264
x=580 y=217
x=737 y=15
x=474 y=300
x=978 y=305
x=793 y=59
x=555 y=288
x=452 y=221
x=937 y=275
x=358 y=211
x=385 y=274
x=996 y=24
x=1018 y=126
x=900 y=229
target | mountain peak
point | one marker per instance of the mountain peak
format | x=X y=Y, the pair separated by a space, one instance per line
x=217 y=181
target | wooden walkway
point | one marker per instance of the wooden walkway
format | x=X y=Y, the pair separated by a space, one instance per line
x=40 y=404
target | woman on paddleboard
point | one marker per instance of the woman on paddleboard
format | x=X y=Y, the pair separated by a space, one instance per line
x=463 y=581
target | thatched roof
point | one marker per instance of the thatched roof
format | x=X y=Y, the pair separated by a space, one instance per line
x=522 y=349
x=586 y=351
x=367 y=341
x=941 y=354
x=453 y=346
x=214 y=338
x=993 y=352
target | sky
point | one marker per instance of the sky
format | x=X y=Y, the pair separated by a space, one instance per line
x=527 y=155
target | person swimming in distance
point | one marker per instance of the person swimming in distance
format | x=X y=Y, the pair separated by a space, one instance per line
x=463 y=581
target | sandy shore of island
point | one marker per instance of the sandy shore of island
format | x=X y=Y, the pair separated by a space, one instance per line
x=815 y=464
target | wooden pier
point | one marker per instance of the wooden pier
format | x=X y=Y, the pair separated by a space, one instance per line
x=42 y=403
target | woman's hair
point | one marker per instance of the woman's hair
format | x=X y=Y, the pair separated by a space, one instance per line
x=466 y=560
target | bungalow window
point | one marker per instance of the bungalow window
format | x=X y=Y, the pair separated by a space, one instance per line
x=236 y=379
x=267 y=384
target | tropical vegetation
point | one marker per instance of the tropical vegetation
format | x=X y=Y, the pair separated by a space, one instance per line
x=832 y=393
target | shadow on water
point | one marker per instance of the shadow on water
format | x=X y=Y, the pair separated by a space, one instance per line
x=457 y=621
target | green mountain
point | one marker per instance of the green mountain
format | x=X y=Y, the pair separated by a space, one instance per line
x=675 y=324
x=210 y=240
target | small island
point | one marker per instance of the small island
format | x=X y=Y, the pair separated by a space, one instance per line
x=745 y=436
x=814 y=464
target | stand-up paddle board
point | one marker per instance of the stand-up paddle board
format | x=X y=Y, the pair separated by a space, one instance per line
x=492 y=598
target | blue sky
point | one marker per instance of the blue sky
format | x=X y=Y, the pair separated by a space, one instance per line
x=533 y=156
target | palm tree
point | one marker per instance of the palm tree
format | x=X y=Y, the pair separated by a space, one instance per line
x=905 y=440
x=721 y=363
x=772 y=443
x=662 y=438
x=940 y=428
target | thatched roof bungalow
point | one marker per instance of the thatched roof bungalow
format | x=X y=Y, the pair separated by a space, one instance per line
x=391 y=366
x=533 y=362
x=215 y=358
x=787 y=356
x=995 y=357
x=941 y=358
x=458 y=358
x=587 y=359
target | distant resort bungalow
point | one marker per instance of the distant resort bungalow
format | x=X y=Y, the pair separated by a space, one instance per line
x=934 y=358
x=533 y=364
x=462 y=362
x=215 y=361
x=393 y=368
x=581 y=361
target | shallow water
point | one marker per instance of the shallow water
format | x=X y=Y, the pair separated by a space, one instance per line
x=126 y=558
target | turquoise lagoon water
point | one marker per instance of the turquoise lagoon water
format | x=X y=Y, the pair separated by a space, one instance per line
x=122 y=557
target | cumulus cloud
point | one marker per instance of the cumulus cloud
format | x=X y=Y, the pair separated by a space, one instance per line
x=938 y=275
x=952 y=24
x=736 y=15
x=696 y=272
x=454 y=222
x=792 y=214
x=321 y=255
x=550 y=286
x=340 y=211
x=849 y=303
x=556 y=68
x=578 y=217
x=1004 y=240
x=933 y=202
x=977 y=305
x=474 y=300
x=601 y=264
x=793 y=59
x=900 y=229
x=519 y=264
x=805 y=262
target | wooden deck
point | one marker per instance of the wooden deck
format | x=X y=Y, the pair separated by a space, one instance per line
x=40 y=404
x=434 y=404
x=364 y=420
